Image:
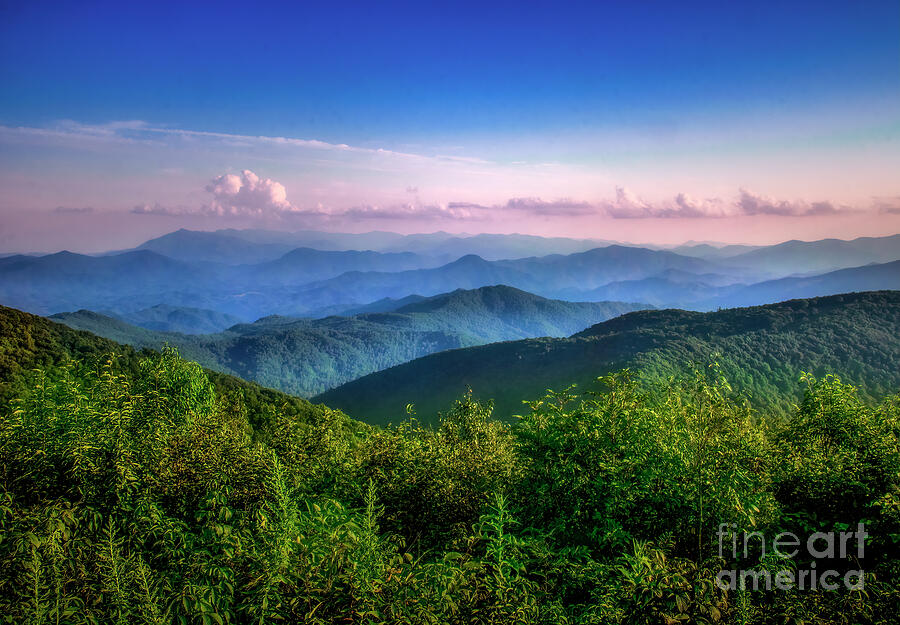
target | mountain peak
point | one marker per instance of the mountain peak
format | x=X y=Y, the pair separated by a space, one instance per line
x=470 y=259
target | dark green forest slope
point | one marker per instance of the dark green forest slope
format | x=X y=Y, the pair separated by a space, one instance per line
x=308 y=356
x=762 y=350
x=137 y=490
x=29 y=342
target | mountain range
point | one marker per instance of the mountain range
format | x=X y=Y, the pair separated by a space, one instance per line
x=762 y=350
x=243 y=275
x=238 y=247
x=307 y=356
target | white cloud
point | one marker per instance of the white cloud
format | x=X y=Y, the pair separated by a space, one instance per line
x=236 y=195
x=247 y=195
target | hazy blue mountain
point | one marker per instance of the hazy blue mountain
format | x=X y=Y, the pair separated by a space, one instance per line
x=330 y=241
x=254 y=246
x=283 y=262
x=124 y=282
x=661 y=291
x=805 y=257
x=306 y=356
x=710 y=291
x=550 y=276
x=706 y=250
x=311 y=282
x=385 y=304
x=65 y=281
x=762 y=350
x=496 y=246
x=219 y=247
x=304 y=265
x=867 y=278
x=468 y=272
x=601 y=266
x=166 y=318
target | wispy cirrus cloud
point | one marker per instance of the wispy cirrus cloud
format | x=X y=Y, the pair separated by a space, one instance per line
x=137 y=131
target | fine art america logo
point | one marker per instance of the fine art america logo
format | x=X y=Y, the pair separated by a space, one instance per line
x=788 y=562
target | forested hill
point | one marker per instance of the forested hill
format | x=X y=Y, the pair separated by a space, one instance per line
x=304 y=357
x=762 y=350
x=30 y=342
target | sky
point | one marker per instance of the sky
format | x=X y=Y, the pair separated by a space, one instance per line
x=657 y=122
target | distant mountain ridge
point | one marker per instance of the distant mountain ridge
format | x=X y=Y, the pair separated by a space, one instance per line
x=185 y=320
x=307 y=282
x=826 y=255
x=306 y=356
x=548 y=276
x=867 y=278
x=255 y=246
x=217 y=247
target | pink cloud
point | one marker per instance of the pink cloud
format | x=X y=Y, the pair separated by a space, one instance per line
x=629 y=206
x=453 y=210
x=887 y=205
x=754 y=204
x=563 y=207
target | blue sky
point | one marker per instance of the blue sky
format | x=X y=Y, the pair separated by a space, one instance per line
x=796 y=103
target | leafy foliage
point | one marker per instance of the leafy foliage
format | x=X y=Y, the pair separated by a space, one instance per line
x=136 y=489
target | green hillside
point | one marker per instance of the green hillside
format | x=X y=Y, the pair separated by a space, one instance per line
x=145 y=490
x=304 y=357
x=29 y=342
x=761 y=349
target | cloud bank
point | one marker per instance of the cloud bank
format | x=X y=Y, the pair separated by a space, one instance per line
x=559 y=208
x=627 y=205
x=249 y=195
x=409 y=210
x=752 y=204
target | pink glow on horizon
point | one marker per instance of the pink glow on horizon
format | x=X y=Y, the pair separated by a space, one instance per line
x=95 y=231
